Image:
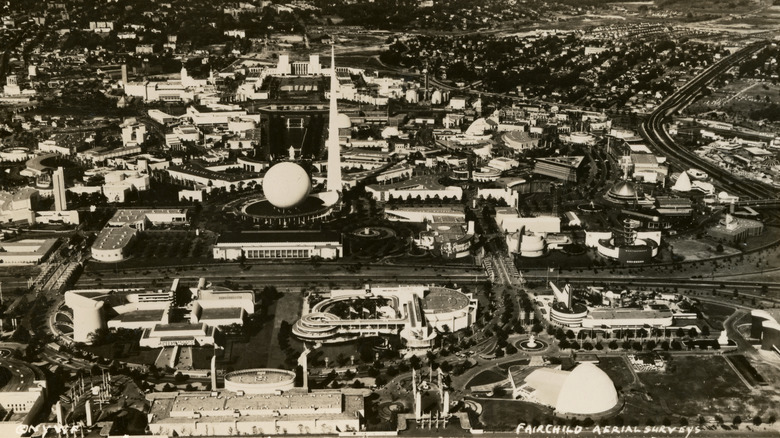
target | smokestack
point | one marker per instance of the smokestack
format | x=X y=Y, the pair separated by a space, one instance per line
x=124 y=74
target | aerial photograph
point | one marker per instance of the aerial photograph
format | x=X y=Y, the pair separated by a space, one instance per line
x=389 y=218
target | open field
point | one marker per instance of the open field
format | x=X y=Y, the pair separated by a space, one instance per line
x=506 y=414
x=617 y=370
x=701 y=385
x=716 y=314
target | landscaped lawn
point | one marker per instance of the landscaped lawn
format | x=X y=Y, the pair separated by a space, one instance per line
x=485 y=378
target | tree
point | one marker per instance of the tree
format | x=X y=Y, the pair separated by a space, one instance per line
x=756 y=421
x=737 y=421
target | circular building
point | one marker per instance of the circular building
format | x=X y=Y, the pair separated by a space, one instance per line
x=286 y=185
x=622 y=192
x=443 y=306
x=587 y=390
x=287 y=201
x=568 y=317
x=532 y=246
x=260 y=381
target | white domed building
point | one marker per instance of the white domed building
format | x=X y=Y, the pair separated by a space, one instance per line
x=286 y=185
x=288 y=198
x=586 y=391
x=623 y=192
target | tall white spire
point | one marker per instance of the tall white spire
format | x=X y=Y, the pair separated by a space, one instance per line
x=334 y=154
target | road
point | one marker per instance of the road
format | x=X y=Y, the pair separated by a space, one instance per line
x=653 y=131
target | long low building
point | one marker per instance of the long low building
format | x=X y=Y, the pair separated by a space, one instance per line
x=424 y=187
x=278 y=245
x=26 y=251
x=229 y=413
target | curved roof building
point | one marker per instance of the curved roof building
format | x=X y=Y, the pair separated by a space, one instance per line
x=623 y=190
x=585 y=391
x=532 y=246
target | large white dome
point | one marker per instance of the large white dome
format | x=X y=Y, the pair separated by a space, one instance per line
x=587 y=390
x=286 y=185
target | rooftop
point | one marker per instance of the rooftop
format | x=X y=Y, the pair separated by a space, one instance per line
x=142 y=316
x=114 y=238
x=317 y=403
x=279 y=236
x=628 y=314
x=444 y=300
x=128 y=216
x=221 y=313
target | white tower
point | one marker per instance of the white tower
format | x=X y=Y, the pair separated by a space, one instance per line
x=214 y=371
x=334 y=155
x=58 y=184
x=88 y=411
x=58 y=408
x=303 y=361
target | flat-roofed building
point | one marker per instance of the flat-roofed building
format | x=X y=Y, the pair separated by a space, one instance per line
x=113 y=243
x=227 y=413
x=562 y=168
x=733 y=229
x=178 y=334
x=278 y=245
x=424 y=187
x=509 y=220
x=139 y=218
x=26 y=251
x=673 y=206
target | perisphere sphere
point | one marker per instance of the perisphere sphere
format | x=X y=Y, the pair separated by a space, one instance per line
x=286 y=185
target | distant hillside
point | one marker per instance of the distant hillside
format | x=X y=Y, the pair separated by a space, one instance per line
x=710 y=5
